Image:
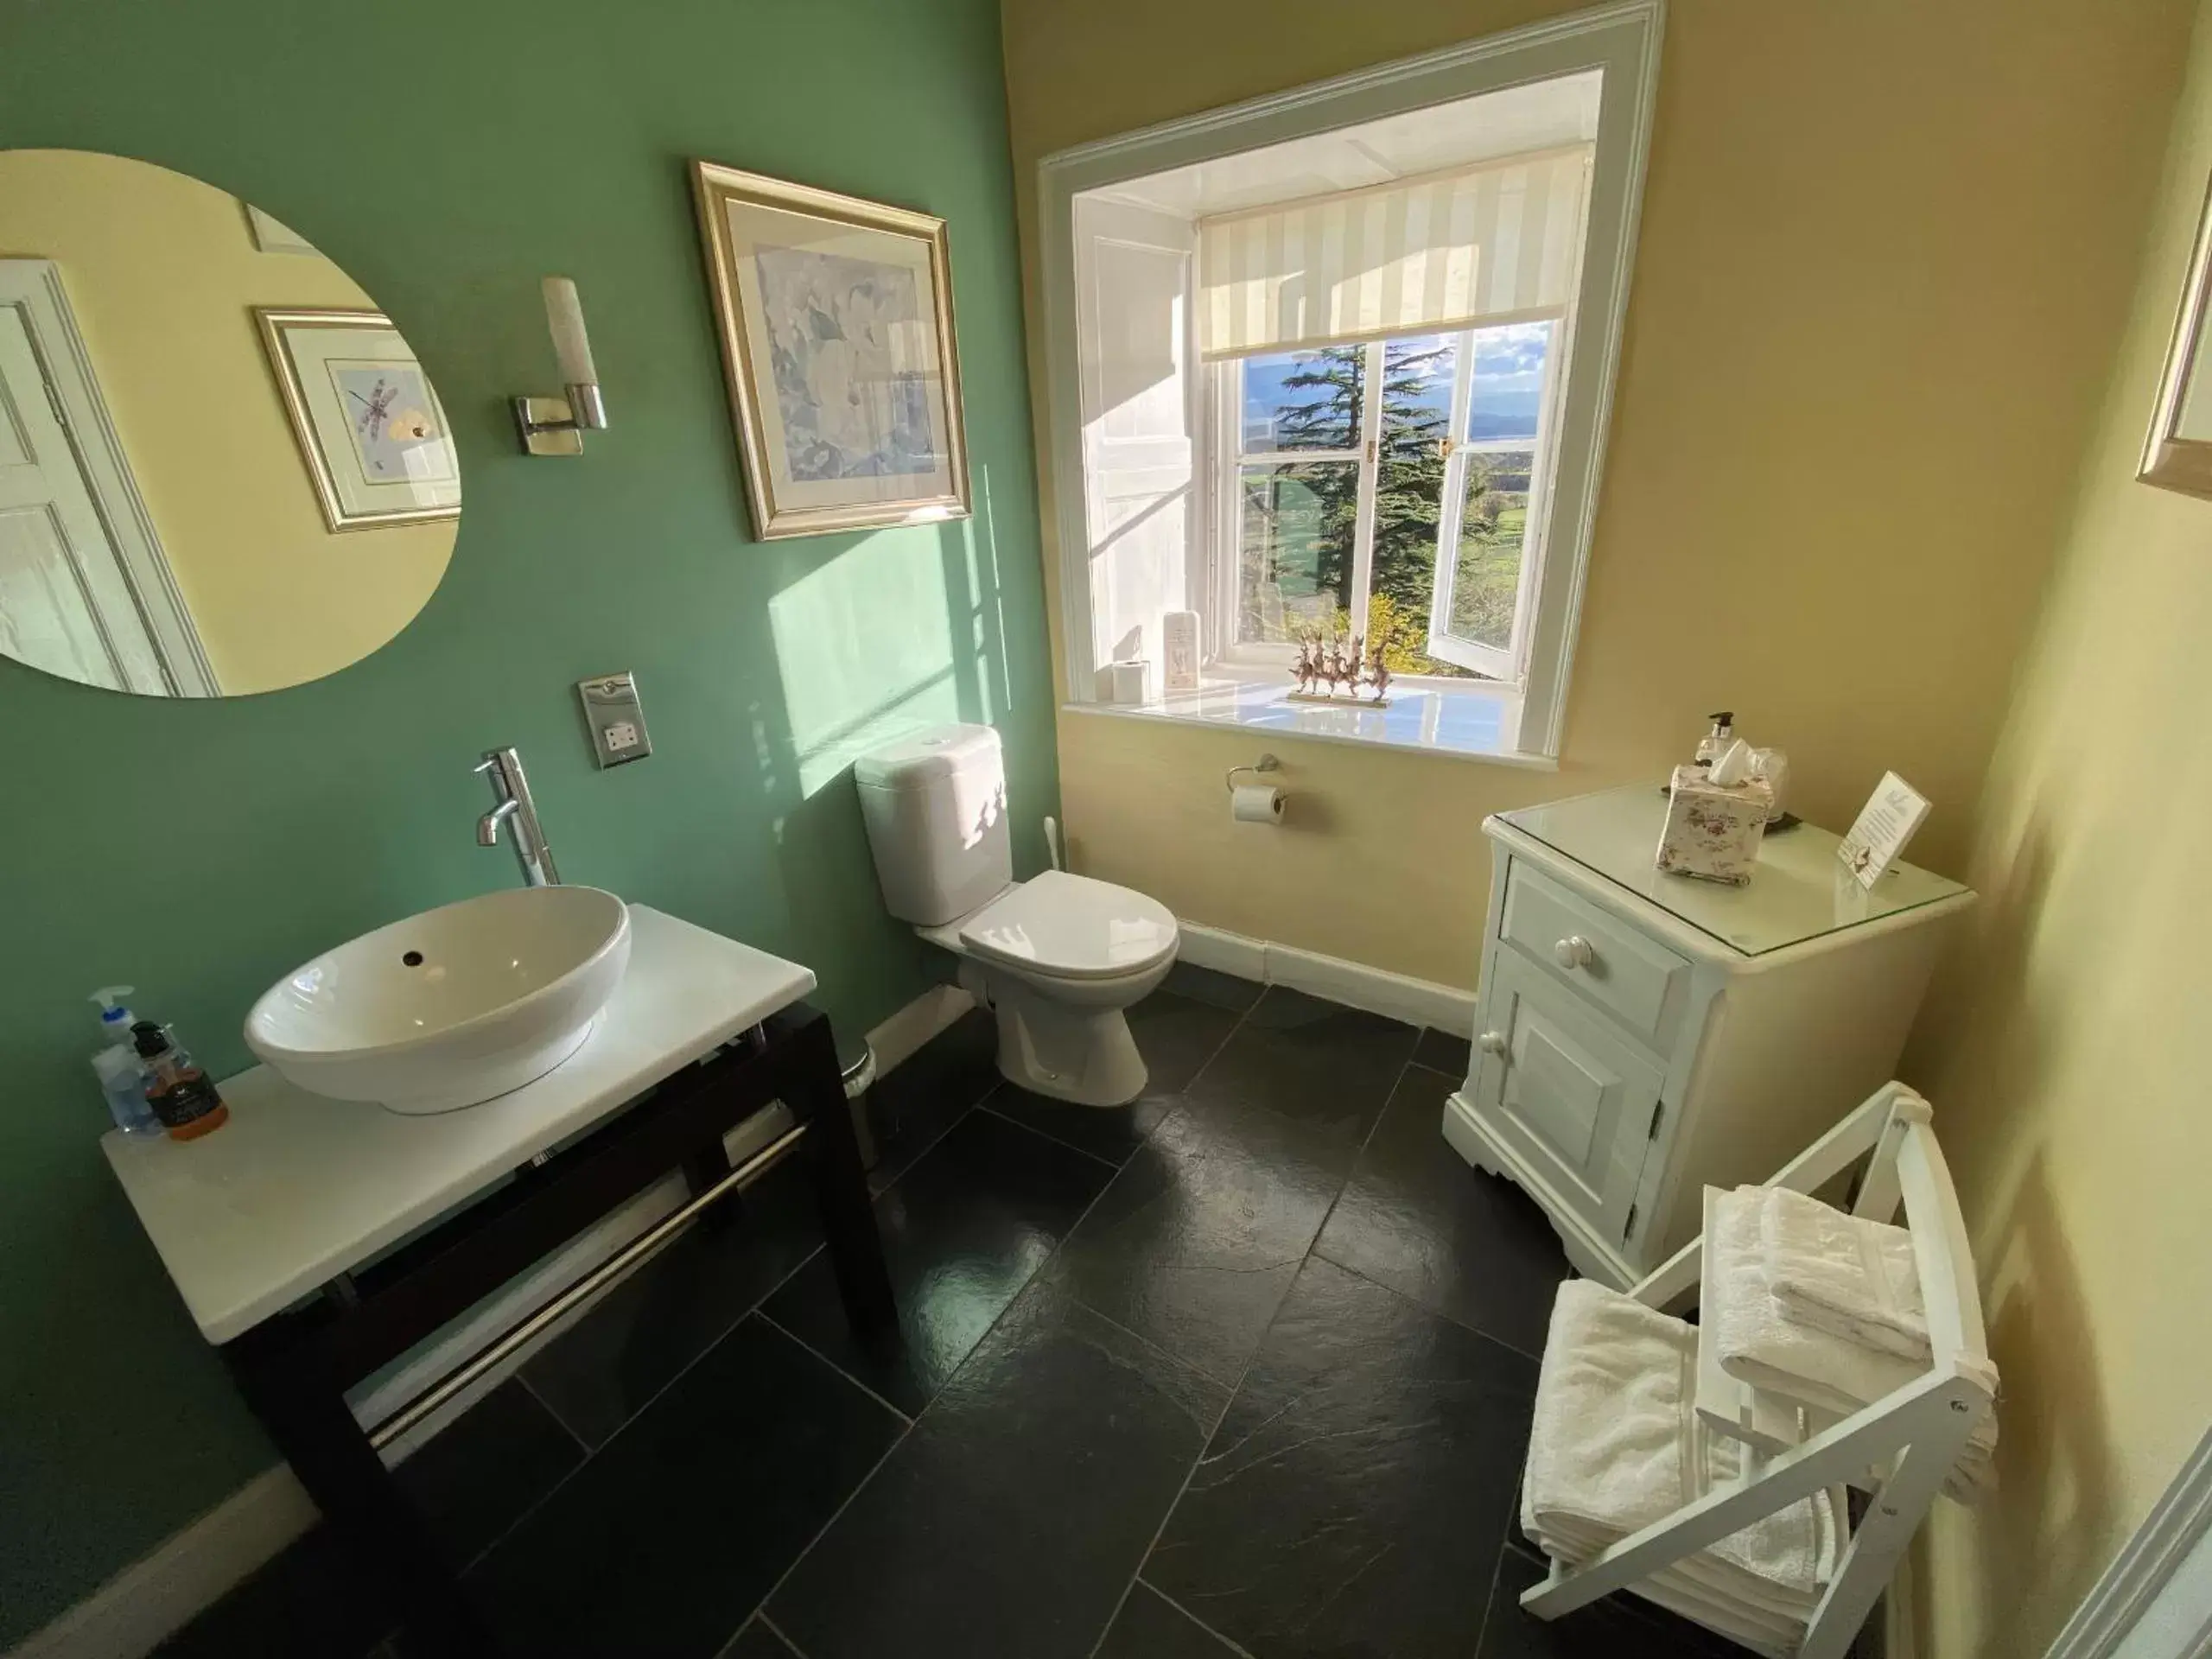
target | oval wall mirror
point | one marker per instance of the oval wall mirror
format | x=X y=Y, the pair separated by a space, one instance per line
x=222 y=471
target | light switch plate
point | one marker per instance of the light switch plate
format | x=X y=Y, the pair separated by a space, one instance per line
x=615 y=719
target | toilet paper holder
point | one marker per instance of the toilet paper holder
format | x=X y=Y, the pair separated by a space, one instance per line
x=1265 y=763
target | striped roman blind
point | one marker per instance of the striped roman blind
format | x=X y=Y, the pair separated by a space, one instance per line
x=1496 y=241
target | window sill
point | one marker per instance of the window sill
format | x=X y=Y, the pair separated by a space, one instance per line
x=1464 y=723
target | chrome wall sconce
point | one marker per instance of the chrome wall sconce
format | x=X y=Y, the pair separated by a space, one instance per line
x=556 y=426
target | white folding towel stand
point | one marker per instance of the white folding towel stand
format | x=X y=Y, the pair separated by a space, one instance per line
x=1900 y=1448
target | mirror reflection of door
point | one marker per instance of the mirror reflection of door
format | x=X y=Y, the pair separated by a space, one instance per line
x=223 y=471
x=68 y=602
x=2193 y=424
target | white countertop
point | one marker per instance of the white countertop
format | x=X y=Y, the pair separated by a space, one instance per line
x=296 y=1189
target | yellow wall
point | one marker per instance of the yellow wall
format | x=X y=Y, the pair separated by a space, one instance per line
x=1885 y=252
x=160 y=270
x=2069 y=1053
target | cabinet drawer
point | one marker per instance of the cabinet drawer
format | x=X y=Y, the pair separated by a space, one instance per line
x=1603 y=959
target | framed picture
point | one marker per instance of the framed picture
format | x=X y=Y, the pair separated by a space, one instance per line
x=835 y=317
x=369 y=424
x=2177 y=454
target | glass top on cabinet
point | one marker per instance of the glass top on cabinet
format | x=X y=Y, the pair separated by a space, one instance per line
x=1798 y=891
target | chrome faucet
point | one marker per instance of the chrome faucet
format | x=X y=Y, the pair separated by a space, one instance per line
x=512 y=806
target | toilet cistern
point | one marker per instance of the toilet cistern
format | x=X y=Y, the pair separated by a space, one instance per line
x=512 y=806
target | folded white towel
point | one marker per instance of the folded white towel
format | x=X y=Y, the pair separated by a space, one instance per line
x=1758 y=1343
x=1712 y=1578
x=1616 y=1445
x=1670 y=1588
x=1758 y=1631
x=1844 y=1274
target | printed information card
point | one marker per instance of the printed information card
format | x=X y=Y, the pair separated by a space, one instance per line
x=1885 y=823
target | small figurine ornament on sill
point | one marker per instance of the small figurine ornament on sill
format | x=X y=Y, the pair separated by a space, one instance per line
x=1343 y=667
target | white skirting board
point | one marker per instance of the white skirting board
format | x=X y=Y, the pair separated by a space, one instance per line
x=149 y=1601
x=143 y=1606
x=2153 y=1601
x=2154 y=1598
x=1417 y=1001
x=895 y=1041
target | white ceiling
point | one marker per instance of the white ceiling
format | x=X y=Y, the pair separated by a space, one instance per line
x=1541 y=116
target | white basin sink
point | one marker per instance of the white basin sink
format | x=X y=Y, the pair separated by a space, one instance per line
x=452 y=1007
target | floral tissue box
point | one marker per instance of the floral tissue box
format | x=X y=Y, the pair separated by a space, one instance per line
x=1714 y=830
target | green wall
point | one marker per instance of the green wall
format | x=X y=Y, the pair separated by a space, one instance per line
x=448 y=156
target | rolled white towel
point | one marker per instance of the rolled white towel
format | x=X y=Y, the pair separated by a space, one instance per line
x=1616 y=1445
x=1844 y=1274
x=1758 y=1343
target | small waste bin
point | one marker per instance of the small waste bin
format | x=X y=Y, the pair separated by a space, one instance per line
x=856 y=1061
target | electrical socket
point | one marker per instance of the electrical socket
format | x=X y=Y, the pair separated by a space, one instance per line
x=615 y=719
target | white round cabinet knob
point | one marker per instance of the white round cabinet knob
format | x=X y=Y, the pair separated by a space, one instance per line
x=1574 y=951
x=1491 y=1042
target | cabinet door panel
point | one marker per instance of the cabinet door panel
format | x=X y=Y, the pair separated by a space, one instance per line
x=1571 y=1100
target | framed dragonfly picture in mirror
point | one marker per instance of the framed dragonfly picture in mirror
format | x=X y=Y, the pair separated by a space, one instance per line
x=835 y=317
x=369 y=424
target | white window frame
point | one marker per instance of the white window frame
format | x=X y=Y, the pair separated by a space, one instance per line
x=1622 y=41
x=1225 y=459
x=1223 y=463
x=1510 y=663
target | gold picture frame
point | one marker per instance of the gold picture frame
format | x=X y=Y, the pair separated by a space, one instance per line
x=836 y=320
x=2172 y=459
x=349 y=382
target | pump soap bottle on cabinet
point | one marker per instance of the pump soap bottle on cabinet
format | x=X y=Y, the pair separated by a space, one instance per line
x=182 y=1095
x=1715 y=743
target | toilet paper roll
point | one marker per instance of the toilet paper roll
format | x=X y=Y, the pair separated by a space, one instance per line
x=1256 y=803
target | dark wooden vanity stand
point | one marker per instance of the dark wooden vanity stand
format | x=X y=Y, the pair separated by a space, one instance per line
x=295 y=1367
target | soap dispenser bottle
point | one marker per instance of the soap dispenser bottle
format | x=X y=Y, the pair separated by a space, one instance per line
x=1715 y=743
x=122 y=1078
x=182 y=1095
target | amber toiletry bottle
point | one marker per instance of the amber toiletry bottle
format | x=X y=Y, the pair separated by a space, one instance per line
x=182 y=1095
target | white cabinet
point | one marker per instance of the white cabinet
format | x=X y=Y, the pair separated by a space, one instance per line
x=1641 y=1036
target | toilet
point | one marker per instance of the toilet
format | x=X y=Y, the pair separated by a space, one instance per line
x=1056 y=958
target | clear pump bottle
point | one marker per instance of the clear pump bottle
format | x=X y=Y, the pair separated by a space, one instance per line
x=122 y=1074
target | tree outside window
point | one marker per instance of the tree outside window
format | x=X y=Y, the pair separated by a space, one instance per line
x=1299 y=478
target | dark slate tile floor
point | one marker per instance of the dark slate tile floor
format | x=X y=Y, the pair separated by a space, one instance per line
x=963 y=1230
x=1473 y=1250
x=1244 y=1367
x=648 y=1331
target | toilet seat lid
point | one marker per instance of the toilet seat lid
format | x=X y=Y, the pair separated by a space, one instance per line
x=1073 y=927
